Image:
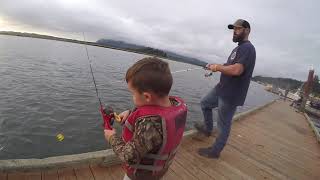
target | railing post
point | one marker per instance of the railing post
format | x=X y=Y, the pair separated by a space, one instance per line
x=307 y=89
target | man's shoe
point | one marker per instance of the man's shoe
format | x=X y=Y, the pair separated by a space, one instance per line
x=199 y=136
x=202 y=129
x=207 y=152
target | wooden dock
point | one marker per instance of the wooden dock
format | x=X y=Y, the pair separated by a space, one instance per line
x=273 y=143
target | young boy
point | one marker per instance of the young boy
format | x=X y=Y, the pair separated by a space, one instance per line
x=153 y=130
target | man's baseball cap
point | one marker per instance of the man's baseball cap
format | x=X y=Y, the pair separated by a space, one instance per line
x=239 y=23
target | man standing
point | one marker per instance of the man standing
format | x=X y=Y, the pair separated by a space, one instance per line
x=231 y=91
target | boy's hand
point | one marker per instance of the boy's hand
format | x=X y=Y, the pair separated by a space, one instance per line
x=109 y=133
x=124 y=115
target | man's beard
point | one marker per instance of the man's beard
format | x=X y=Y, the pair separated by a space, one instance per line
x=238 y=38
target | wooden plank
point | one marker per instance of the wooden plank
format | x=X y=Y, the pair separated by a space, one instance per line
x=197 y=170
x=240 y=162
x=240 y=174
x=83 y=173
x=117 y=172
x=255 y=134
x=277 y=145
x=16 y=176
x=181 y=171
x=50 y=175
x=216 y=164
x=282 y=130
x=196 y=166
x=262 y=163
x=284 y=117
x=274 y=137
x=170 y=175
x=67 y=174
x=101 y=173
x=33 y=176
x=282 y=125
x=24 y=176
x=105 y=173
x=293 y=154
x=249 y=165
x=3 y=176
x=270 y=159
x=270 y=118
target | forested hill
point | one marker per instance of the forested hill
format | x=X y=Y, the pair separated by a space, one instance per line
x=150 y=50
x=119 y=45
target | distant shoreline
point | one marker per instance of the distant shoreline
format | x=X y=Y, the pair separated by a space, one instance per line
x=47 y=37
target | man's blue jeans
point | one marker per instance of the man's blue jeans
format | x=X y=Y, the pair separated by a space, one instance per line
x=224 y=118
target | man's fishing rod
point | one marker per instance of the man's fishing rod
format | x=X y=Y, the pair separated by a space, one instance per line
x=207 y=74
x=107 y=112
x=184 y=70
x=204 y=65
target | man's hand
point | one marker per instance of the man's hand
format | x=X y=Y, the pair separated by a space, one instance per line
x=231 y=70
x=213 y=67
x=109 y=133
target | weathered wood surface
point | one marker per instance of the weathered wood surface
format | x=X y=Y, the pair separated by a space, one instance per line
x=273 y=143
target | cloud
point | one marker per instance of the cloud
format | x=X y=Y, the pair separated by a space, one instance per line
x=285 y=33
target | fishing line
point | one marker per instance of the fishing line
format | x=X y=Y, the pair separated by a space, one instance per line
x=207 y=74
x=90 y=62
x=185 y=70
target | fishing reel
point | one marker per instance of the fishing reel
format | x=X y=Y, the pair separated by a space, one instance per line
x=108 y=116
x=208 y=71
x=208 y=74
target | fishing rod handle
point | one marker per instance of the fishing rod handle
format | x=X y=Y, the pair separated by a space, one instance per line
x=107 y=116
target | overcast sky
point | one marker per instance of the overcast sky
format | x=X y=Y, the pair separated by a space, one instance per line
x=286 y=33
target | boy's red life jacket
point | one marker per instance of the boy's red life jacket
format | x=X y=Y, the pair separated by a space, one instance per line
x=173 y=124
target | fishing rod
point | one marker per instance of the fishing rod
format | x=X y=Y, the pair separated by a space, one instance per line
x=90 y=62
x=204 y=65
x=108 y=115
x=207 y=74
x=184 y=70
